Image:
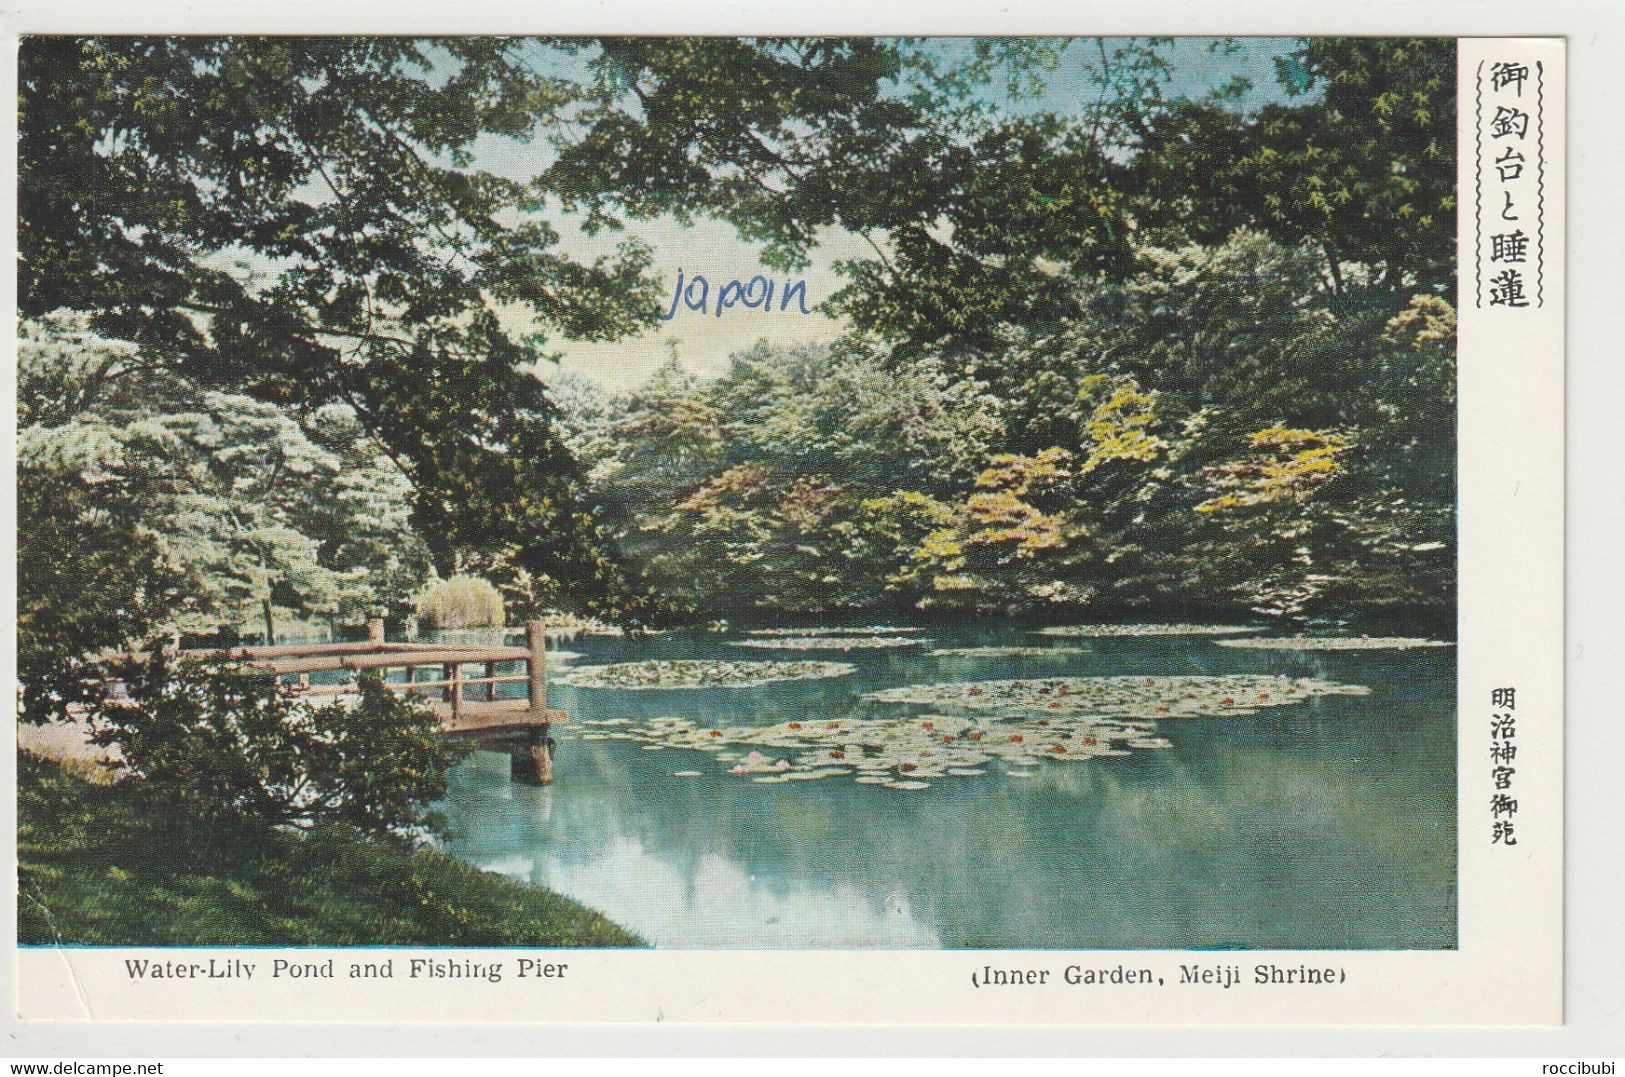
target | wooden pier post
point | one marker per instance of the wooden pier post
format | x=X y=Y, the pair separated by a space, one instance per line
x=375 y=630
x=541 y=755
x=453 y=693
x=536 y=642
x=541 y=745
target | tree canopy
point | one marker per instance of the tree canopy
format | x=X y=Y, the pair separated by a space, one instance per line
x=310 y=224
x=301 y=220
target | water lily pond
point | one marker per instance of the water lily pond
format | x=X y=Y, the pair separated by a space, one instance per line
x=995 y=787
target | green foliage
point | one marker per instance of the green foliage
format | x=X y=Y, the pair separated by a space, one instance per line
x=770 y=485
x=89 y=579
x=984 y=232
x=214 y=741
x=297 y=220
x=1365 y=171
x=250 y=509
x=1135 y=292
x=981 y=218
x=98 y=865
x=1215 y=429
x=460 y=602
x=848 y=411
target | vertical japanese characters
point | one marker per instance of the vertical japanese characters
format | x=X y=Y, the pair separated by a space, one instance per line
x=1503 y=753
x=1510 y=185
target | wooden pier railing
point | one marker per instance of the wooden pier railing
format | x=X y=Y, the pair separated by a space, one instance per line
x=520 y=725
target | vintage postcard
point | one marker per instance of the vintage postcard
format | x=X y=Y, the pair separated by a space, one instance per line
x=941 y=530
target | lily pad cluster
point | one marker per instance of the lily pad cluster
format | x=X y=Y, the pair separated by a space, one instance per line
x=831 y=643
x=1024 y=723
x=1090 y=631
x=697 y=673
x=1007 y=652
x=898 y=753
x=1335 y=643
x=871 y=630
x=1152 y=698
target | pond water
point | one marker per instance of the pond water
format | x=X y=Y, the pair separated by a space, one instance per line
x=1328 y=823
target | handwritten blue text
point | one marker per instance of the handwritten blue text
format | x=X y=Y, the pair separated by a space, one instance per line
x=756 y=294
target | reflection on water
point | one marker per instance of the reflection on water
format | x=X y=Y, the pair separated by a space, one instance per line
x=1330 y=824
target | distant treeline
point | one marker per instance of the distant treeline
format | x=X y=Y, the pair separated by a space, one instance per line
x=1218 y=429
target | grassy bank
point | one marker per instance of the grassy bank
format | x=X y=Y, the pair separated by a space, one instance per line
x=95 y=866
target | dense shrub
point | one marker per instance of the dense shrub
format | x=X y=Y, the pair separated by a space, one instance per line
x=460 y=602
x=217 y=742
x=88 y=579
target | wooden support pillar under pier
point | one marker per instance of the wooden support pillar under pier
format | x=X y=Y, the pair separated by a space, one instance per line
x=532 y=764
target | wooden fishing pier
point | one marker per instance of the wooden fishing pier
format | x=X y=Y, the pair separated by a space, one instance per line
x=468 y=706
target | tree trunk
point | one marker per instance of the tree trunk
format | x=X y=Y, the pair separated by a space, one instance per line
x=1336 y=272
x=270 y=624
